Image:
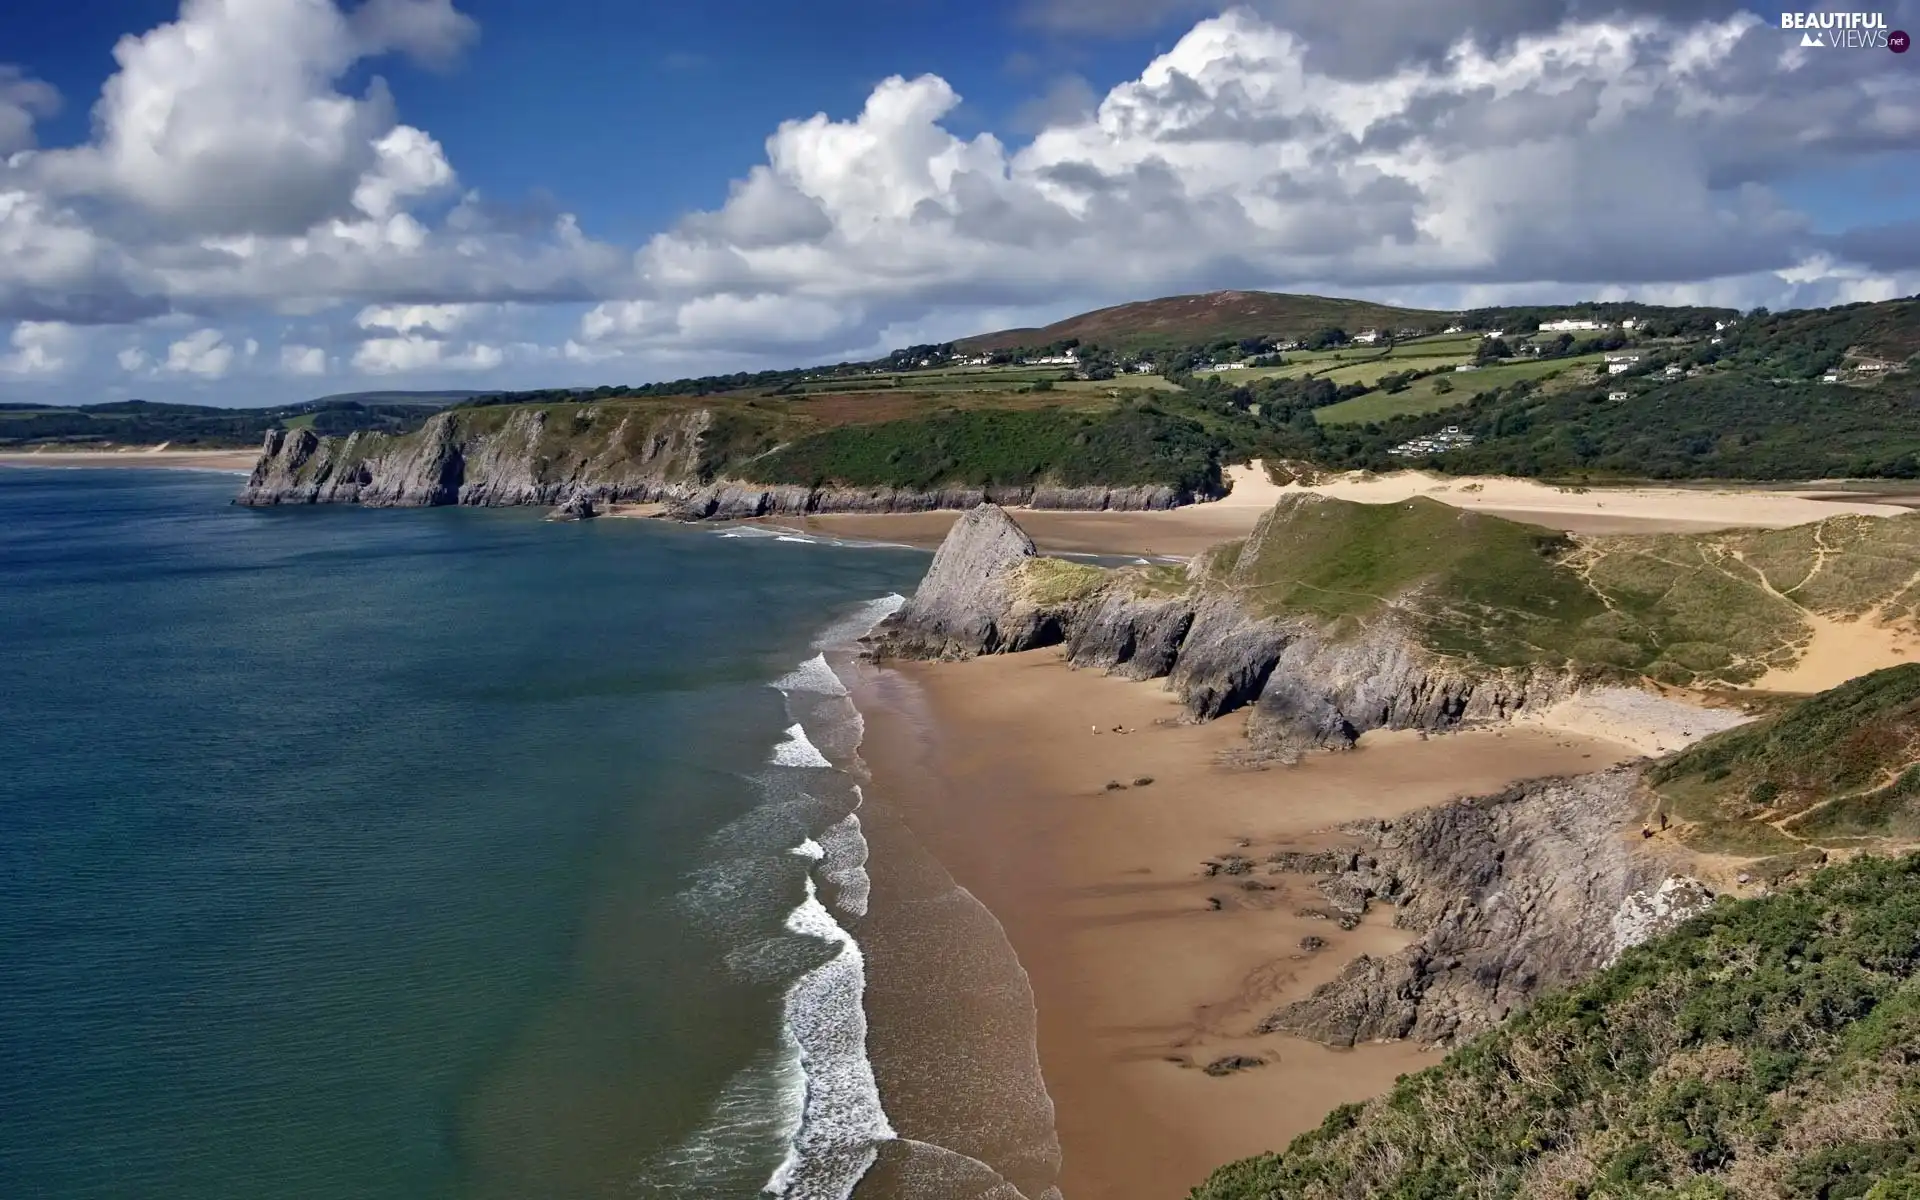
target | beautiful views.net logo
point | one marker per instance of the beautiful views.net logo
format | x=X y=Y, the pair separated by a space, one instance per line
x=1845 y=31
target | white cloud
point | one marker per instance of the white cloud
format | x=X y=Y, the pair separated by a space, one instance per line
x=229 y=169
x=1630 y=151
x=132 y=359
x=40 y=348
x=399 y=355
x=1479 y=148
x=23 y=99
x=204 y=353
x=407 y=318
x=296 y=359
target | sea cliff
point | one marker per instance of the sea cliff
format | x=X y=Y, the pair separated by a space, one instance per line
x=1310 y=683
x=691 y=459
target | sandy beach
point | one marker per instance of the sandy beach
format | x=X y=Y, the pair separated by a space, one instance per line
x=135 y=456
x=1183 y=532
x=1143 y=968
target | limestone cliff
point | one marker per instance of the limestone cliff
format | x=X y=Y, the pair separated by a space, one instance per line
x=1532 y=888
x=511 y=455
x=1311 y=683
x=971 y=601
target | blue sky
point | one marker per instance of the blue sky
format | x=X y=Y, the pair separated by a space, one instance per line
x=250 y=201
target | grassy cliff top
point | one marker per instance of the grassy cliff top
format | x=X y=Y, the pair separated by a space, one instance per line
x=1768 y=1048
x=1686 y=609
x=1841 y=766
x=987 y=439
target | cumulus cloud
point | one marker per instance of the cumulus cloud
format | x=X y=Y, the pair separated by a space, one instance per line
x=1634 y=151
x=407 y=318
x=40 y=348
x=296 y=359
x=399 y=355
x=228 y=169
x=204 y=352
x=244 y=162
x=23 y=100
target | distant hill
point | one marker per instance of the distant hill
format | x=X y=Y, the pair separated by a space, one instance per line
x=431 y=399
x=1179 y=321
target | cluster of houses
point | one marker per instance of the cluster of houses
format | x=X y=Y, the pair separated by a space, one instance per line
x=1449 y=438
x=1225 y=366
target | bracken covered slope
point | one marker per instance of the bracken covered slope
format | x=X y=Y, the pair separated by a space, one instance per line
x=1767 y=1049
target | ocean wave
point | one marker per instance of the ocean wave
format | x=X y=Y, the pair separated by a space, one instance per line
x=859 y=623
x=843 y=855
x=813 y=675
x=797 y=751
x=842 y=1122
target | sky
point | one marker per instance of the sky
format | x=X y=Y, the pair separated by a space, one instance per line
x=244 y=202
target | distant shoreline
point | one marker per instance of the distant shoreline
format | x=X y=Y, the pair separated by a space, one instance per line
x=145 y=456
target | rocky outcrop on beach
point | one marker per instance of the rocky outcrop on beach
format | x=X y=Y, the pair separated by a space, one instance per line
x=577 y=507
x=1310 y=686
x=523 y=455
x=1532 y=888
x=971 y=602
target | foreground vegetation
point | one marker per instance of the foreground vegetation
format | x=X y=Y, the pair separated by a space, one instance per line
x=1839 y=768
x=1767 y=1048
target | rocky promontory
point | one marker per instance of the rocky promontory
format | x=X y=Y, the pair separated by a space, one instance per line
x=1310 y=684
x=1532 y=888
x=526 y=455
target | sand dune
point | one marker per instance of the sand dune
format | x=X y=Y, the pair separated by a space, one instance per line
x=1184 y=532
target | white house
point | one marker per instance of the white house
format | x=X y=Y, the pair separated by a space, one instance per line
x=1069 y=359
x=1620 y=363
x=1465 y=367
x=1367 y=337
x=1630 y=323
x=1618 y=396
x=1567 y=326
x=1672 y=370
x=1830 y=377
x=1141 y=368
x=1232 y=366
x=1453 y=329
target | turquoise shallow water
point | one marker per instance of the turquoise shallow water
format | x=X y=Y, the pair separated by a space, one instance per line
x=416 y=854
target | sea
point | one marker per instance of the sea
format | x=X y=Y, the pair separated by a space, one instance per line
x=456 y=853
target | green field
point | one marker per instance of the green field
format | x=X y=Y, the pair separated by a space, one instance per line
x=1421 y=397
x=1371 y=373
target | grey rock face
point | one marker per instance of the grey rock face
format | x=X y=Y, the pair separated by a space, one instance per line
x=1226 y=658
x=577 y=507
x=1512 y=893
x=455 y=459
x=1135 y=636
x=968 y=604
x=1325 y=694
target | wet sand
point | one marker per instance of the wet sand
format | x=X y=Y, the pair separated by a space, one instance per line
x=1139 y=982
x=204 y=460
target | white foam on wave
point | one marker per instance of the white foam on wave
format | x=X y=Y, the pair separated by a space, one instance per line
x=797 y=751
x=842 y=1121
x=860 y=622
x=748 y=531
x=813 y=675
x=809 y=849
x=843 y=862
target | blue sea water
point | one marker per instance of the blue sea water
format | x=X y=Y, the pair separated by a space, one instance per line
x=419 y=854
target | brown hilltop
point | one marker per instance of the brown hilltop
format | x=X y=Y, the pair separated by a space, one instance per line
x=1209 y=316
